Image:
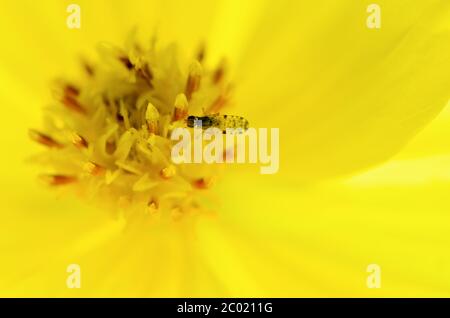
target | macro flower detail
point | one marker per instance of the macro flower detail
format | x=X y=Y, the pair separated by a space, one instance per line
x=108 y=133
x=361 y=107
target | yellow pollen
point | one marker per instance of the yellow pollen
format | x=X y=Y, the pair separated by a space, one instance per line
x=168 y=172
x=94 y=169
x=152 y=117
x=79 y=141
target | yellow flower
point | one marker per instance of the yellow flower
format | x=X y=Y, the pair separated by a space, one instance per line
x=346 y=97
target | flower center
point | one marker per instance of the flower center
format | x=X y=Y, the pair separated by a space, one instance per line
x=107 y=135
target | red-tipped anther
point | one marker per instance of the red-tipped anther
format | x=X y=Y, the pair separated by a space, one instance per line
x=219 y=73
x=94 y=169
x=126 y=62
x=181 y=107
x=193 y=82
x=70 y=90
x=203 y=183
x=70 y=102
x=79 y=141
x=58 y=179
x=44 y=139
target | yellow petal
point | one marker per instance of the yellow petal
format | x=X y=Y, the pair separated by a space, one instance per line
x=344 y=96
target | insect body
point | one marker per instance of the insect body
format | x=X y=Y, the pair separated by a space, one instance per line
x=221 y=122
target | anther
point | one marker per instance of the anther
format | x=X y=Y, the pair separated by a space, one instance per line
x=152 y=118
x=193 y=82
x=44 y=139
x=79 y=141
x=70 y=90
x=58 y=179
x=201 y=53
x=88 y=69
x=152 y=206
x=181 y=107
x=126 y=62
x=219 y=73
x=168 y=172
x=94 y=169
x=70 y=102
x=203 y=183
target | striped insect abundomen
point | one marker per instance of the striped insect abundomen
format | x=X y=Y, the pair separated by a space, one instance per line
x=218 y=121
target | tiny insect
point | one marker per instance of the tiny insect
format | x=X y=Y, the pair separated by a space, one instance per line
x=221 y=122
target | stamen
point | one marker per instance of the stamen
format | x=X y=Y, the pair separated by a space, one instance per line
x=168 y=172
x=152 y=118
x=88 y=69
x=152 y=206
x=44 y=139
x=58 y=179
x=71 y=90
x=219 y=72
x=146 y=74
x=193 y=82
x=181 y=107
x=203 y=183
x=126 y=62
x=70 y=102
x=79 y=141
x=201 y=53
x=94 y=169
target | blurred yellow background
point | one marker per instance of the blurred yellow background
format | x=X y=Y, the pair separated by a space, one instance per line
x=364 y=154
